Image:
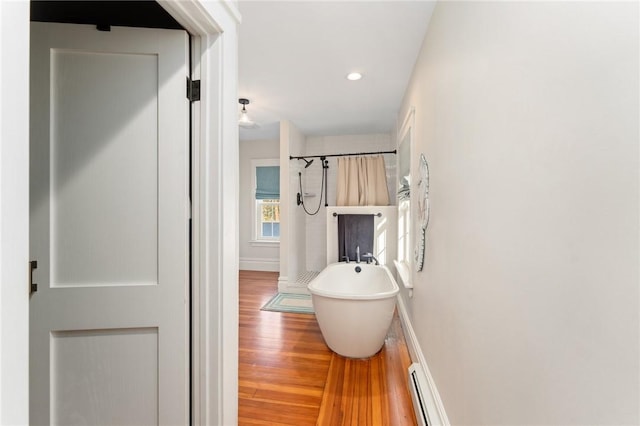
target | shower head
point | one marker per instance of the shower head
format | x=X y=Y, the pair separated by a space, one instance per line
x=308 y=162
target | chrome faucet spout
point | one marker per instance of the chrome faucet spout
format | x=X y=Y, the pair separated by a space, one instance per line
x=357 y=254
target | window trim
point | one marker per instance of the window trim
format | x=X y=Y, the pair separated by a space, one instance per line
x=258 y=222
x=264 y=243
x=255 y=240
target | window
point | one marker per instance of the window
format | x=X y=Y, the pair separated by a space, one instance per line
x=268 y=219
x=404 y=225
x=267 y=200
x=404 y=203
x=404 y=262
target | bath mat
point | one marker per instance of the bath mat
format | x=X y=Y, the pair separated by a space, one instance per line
x=290 y=302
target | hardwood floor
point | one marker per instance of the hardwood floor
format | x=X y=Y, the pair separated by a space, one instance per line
x=288 y=376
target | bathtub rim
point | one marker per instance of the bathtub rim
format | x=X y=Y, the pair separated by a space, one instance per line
x=314 y=290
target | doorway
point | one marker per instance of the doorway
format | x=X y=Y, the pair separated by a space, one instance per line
x=214 y=179
x=109 y=225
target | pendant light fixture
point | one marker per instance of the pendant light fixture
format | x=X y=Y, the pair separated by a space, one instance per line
x=244 y=121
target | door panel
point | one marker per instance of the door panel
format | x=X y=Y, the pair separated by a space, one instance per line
x=109 y=226
x=106 y=374
x=88 y=200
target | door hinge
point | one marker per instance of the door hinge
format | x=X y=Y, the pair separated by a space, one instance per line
x=193 y=90
x=33 y=287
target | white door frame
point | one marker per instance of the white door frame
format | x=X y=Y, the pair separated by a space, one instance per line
x=215 y=208
x=214 y=211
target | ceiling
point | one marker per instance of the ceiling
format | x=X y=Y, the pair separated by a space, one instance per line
x=294 y=57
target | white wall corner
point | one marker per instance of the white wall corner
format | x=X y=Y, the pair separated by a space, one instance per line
x=434 y=406
x=283 y=283
x=292 y=222
x=285 y=219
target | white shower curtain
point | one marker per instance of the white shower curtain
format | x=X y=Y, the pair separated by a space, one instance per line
x=362 y=181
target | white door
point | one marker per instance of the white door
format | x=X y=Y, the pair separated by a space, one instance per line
x=109 y=226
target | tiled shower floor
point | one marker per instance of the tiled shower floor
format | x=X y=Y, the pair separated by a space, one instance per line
x=305 y=278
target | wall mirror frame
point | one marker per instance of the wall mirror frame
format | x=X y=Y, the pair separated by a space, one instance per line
x=405 y=142
x=422 y=201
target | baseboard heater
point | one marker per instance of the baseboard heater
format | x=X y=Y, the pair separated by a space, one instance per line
x=418 y=388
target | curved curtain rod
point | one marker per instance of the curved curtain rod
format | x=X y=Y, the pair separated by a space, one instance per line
x=291 y=157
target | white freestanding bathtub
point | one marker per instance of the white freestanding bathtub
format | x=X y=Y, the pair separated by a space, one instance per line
x=354 y=305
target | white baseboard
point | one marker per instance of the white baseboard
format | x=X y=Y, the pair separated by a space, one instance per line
x=284 y=286
x=434 y=404
x=294 y=289
x=259 y=264
x=283 y=283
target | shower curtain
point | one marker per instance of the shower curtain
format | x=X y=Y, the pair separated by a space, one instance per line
x=362 y=181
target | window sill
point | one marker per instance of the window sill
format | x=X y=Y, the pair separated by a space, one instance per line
x=404 y=273
x=264 y=243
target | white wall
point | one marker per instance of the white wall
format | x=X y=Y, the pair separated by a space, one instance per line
x=14 y=213
x=316 y=226
x=292 y=235
x=527 y=308
x=254 y=256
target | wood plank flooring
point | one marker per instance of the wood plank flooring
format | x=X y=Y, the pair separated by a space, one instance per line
x=288 y=376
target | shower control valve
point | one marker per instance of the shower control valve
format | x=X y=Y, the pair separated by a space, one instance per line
x=370 y=257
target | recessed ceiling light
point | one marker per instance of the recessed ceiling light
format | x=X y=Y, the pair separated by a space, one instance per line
x=354 y=76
